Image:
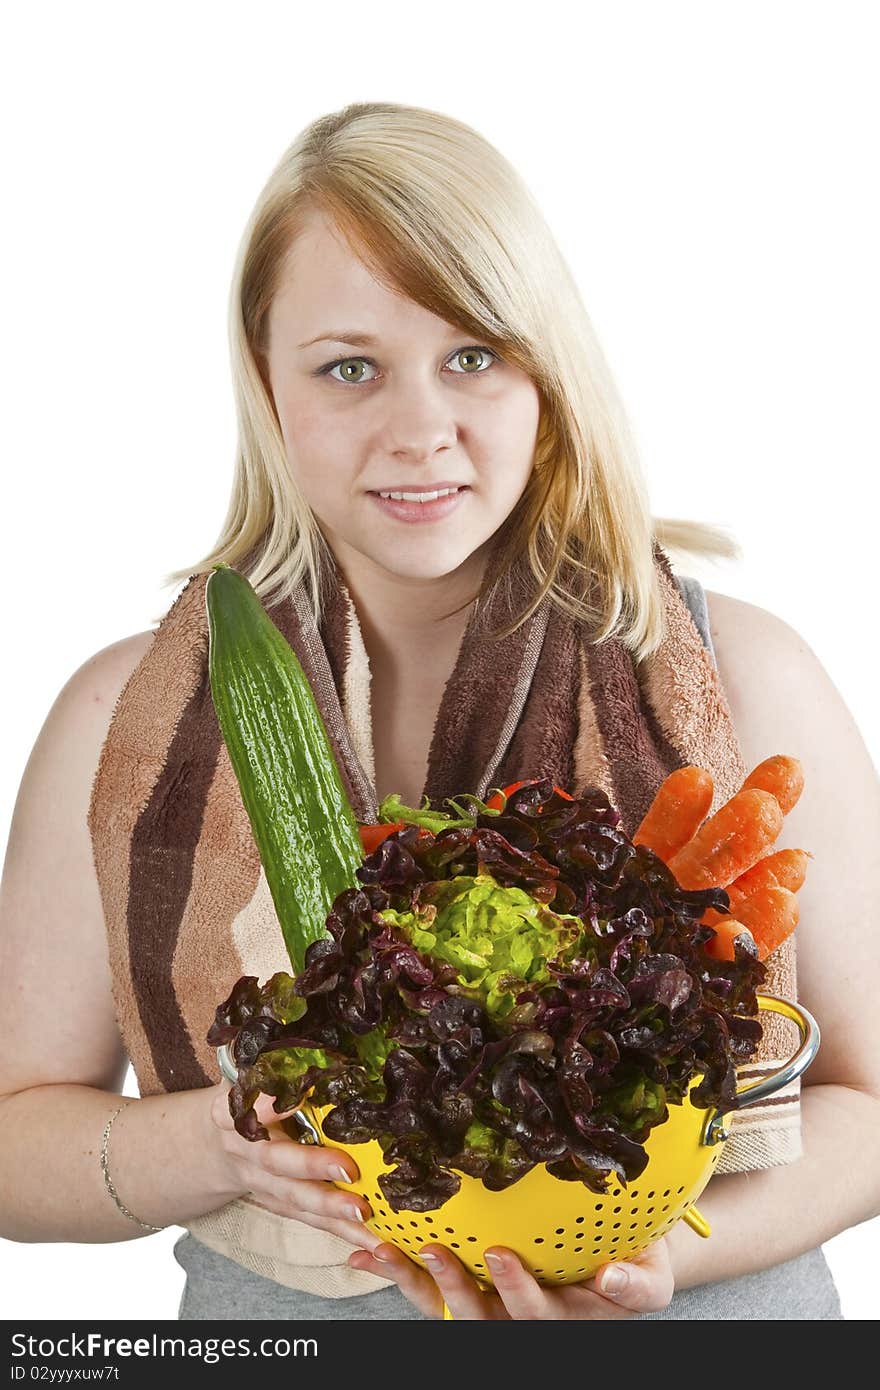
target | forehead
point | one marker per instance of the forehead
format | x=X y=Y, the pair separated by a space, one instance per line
x=324 y=285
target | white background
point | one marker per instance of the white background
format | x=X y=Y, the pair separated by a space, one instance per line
x=710 y=172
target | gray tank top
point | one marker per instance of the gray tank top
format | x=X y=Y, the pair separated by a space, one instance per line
x=801 y=1289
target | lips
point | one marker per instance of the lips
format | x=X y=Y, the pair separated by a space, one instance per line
x=411 y=511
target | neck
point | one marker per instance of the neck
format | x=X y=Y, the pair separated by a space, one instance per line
x=404 y=618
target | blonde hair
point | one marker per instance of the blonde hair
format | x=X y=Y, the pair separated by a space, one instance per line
x=436 y=212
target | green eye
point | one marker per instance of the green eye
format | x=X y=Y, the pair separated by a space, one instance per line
x=345 y=364
x=476 y=356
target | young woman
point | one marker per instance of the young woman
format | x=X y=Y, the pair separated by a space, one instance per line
x=403 y=325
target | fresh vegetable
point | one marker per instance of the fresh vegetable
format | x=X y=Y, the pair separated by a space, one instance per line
x=729 y=842
x=786 y=868
x=533 y=988
x=466 y=808
x=373 y=835
x=303 y=825
x=499 y=799
x=394 y=815
x=727 y=931
x=771 y=914
x=679 y=808
x=781 y=775
x=770 y=917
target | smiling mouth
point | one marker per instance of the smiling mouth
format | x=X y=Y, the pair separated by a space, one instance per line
x=420 y=495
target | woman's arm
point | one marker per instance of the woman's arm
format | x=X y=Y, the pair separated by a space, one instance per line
x=783 y=701
x=171 y=1157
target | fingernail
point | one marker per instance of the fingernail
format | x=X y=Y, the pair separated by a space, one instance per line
x=383 y=1259
x=357 y=1214
x=614 y=1281
x=429 y=1257
x=494 y=1262
x=340 y=1173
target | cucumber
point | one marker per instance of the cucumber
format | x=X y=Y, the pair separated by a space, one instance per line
x=303 y=825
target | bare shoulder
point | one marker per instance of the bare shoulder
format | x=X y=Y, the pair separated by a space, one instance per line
x=777 y=688
x=106 y=671
x=758 y=651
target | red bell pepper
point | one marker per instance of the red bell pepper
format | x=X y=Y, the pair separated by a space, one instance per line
x=496 y=803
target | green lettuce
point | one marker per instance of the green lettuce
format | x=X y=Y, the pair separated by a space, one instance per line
x=499 y=939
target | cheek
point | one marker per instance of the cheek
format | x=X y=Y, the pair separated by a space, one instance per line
x=318 y=450
x=511 y=436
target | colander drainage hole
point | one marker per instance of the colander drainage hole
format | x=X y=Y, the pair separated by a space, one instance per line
x=559 y=1246
x=598 y=1223
x=539 y=1240
x=630 y=1239
x=449 y=1231
x=414 y=1223
x=560 y=1230
x=615 y=1239
x=680 y=1190
x=479 y=1266
x=616 y=1226
x=579 y=1220
x=472 y=1239
x=455 y=1245
x=400 y=1226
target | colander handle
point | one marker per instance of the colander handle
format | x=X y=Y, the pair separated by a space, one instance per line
x=760 y=1090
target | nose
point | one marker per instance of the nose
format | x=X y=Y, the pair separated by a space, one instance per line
x=419 y=421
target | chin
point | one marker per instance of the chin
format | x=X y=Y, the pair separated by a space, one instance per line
x=424 y=566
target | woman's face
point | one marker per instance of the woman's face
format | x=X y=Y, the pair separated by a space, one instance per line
x=426 y=407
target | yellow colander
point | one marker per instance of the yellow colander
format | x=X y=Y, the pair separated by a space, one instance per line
x=561 y=1230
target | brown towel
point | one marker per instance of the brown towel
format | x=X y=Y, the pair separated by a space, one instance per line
x=186 y=902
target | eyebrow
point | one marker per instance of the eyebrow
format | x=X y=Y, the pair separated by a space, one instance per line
x=346 y=336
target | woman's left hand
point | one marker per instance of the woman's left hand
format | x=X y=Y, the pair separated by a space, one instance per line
x=649 y=1285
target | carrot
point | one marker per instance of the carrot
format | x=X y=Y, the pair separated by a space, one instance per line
x=678 y=810
x=729 y=842
x=721 y=944
x=787 y=868
x=782 y=776
x=771 y=915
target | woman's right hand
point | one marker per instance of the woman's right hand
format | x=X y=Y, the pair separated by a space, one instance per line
x=287 y=1177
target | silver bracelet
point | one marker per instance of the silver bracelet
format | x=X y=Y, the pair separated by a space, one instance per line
x=109 y=1181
